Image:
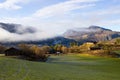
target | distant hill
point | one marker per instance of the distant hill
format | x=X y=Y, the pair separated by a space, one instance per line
x=50 y=42
x=92 y=33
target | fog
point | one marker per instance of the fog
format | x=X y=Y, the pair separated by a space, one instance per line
x=23 y=33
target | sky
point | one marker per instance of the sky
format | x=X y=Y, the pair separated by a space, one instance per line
x=54 y=17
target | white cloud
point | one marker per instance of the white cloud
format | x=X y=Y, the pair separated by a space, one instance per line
x=6 y=36
x=63 y=8
x=12 y=4
x=59 y=25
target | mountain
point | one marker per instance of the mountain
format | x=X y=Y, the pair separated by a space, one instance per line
x=16 y=28
x=21 y=30
x=79 y=35
x=92 y=33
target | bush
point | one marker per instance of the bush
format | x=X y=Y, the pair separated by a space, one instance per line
x=33 y=52
x=103 y=53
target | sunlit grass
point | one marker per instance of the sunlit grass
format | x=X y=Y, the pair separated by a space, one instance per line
x=63 y=67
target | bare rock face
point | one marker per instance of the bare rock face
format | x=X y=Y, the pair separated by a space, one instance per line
x=92 y=33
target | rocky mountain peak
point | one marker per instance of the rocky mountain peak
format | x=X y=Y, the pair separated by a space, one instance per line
x=92 y=33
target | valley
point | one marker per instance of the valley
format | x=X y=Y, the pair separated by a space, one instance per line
x=59 y=39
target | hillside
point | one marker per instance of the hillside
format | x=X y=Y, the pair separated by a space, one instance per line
x=50 y=41
x=92 y=33
x=69 y=67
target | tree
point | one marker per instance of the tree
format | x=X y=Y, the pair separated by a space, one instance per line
x=46 y=49
x=2 y=49
x=25 y=49
x=118 y=41
x=74 y=49
x=64 y=49
x=58 y=47
x=73 y=44
x=34 y=49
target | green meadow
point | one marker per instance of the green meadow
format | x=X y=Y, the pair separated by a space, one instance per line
x=62 y=67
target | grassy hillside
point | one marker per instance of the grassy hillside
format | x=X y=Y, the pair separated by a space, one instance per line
x=67 y=67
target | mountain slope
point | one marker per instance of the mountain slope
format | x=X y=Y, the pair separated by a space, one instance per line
x=93 y=33
x=50 y=41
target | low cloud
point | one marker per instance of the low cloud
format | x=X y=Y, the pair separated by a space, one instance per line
x=22 y=34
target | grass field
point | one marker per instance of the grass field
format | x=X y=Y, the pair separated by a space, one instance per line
x=67 y=67
x=118 y=51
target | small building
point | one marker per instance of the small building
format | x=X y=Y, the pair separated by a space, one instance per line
x=12 y=52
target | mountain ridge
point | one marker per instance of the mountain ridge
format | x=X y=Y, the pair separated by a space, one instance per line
x=92 y=33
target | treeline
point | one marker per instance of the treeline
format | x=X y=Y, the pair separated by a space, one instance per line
x=29 y=52
x=35 y=52
x=41 y=53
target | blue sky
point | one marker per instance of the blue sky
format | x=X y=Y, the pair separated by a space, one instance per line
x=56 y=16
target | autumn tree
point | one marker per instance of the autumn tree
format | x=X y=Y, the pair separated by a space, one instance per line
x=46 y=49
x=64 y=49
x=118 y=41
x=74 y=49
x=25 y=49
x=58 y=47
x=73 y=44
x=2 y=49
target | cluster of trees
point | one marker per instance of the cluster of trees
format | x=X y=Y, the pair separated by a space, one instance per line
x=35 y=52
x=41 y=52
x=2 y=49
x=30 y=52
x=73 y=48
x=117 y=41
x=38 y=51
